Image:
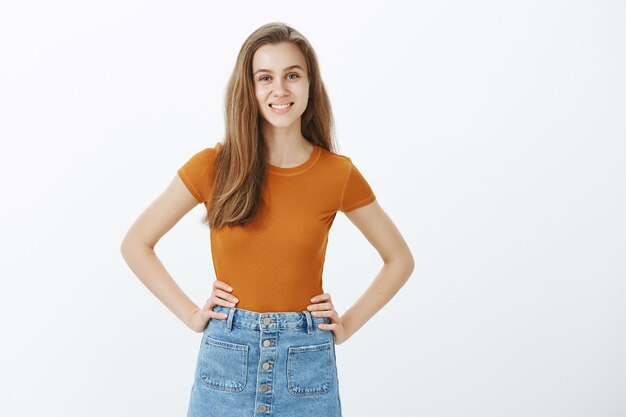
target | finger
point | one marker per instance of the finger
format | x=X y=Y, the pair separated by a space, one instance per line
x=222 y=285
x=320 y=306
x=217 y=315
x=222 y=302
x=332 y=314
x=323 y=313
x=317 y=298
x=321 y=297
x=208 y=311
x=226 y=296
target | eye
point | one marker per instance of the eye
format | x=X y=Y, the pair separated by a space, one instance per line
x=267 y=76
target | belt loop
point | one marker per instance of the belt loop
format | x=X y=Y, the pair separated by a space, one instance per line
x=309 y=322
x=229 y=321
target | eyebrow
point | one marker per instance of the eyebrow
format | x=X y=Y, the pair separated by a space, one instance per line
x=286 y=69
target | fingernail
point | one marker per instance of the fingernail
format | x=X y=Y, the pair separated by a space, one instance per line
x=309 y=307
x=230 y=289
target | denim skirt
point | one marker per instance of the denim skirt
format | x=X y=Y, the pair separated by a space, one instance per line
x=277 y=364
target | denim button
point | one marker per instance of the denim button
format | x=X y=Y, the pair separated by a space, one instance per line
x=265 y=387
x=266 y=366
x=266 y=320
x=263 y=408
x=266 y=342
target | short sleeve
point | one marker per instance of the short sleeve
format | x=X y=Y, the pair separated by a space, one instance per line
x=356 y=190
x=195 y=174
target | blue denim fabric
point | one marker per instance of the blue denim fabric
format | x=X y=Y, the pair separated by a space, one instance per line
x=277 y=364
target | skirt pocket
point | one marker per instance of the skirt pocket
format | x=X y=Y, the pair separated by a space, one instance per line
x=224 y=365
x=309 y=369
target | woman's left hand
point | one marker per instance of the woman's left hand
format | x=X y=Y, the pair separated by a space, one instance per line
x=323 y=307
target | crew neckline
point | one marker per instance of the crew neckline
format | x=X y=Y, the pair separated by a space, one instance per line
x=298 y=169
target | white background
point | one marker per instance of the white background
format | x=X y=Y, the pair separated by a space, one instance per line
x=492 y=132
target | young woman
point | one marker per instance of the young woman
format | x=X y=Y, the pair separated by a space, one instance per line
x=271 y=189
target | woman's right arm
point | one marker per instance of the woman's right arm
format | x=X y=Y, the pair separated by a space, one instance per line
x=138 y=252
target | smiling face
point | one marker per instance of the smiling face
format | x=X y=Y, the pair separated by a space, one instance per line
x=280 y=77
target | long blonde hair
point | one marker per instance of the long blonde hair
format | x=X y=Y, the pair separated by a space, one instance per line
x=241 y=159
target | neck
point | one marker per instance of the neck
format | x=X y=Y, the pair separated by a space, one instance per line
x=286 y=146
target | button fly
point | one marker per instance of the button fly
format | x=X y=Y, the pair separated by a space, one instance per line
x=267 y=342
x=266 y=321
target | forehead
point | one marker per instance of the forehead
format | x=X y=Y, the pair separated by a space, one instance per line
x=278 y=56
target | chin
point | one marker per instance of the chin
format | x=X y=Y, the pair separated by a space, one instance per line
x=280 y=121
x=281 y=124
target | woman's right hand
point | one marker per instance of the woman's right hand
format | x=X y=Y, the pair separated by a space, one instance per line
x=220 y=296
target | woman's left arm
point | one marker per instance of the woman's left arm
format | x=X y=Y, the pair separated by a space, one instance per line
x=398 y=266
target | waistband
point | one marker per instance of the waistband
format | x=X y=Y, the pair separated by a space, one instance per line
x=271 y=320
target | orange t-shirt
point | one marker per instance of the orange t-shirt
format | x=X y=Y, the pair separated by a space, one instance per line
x=275 y=263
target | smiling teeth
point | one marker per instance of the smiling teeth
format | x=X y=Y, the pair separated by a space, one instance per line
x=280 y=106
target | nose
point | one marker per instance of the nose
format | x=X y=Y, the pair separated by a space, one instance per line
x=280 y=88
